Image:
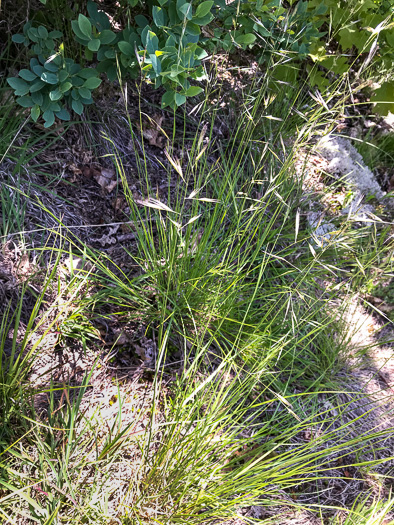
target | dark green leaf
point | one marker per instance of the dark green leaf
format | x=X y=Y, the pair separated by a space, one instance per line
x=77 y=106
x=107 y=36
x=94 y=45
x=168 y=99
x=63 y=75
x=37 y=98
x=134 y=39
x=103 y=66
x=193 y=91
x=20 y=86
x=38 y=70
x=247 y=39
x=204 y=20
x=204 y=8
x=84 y=25
x=126 y=48
x=39 y=84
x=57 y=59
x=51 y=66
x=144 y=35
x=49 y=78
x=86 y=101
x=32 y=33
x=176 y=70
x=74 y=69
x=179 y=99
x=55 y=34
x=42 y=32
x=28 y=75
x=92 y=83
x=84 y=92
x=320 y=9
x=100 y=19
x=87 y=72
x=77 y=81
x=112 y=73
x=190 y=38
x=193 y=29
x=54 y=106
x=63 y=114
x=187 y=58
x=25 y=102
x=50 y=45
x=171 y=42
x=159 y=16
x=152 y=42
x=78 y=32
x=17 y=83
x=156 y=64
x=101 y=53
x=49 y=118
x=56 y=94
x=141 y=21
x=186 y=10
x=303 y=50
x=185 y=84
x=18 y=39
x=92 y=9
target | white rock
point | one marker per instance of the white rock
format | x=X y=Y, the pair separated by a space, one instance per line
x=389 y=120
x=346 y=163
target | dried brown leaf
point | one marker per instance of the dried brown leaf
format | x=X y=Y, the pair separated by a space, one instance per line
x=106 y=178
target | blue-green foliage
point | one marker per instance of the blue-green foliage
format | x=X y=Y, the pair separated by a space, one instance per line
x=166 y=50
x=53 y=84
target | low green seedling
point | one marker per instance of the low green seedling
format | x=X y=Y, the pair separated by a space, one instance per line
x=53 y=84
